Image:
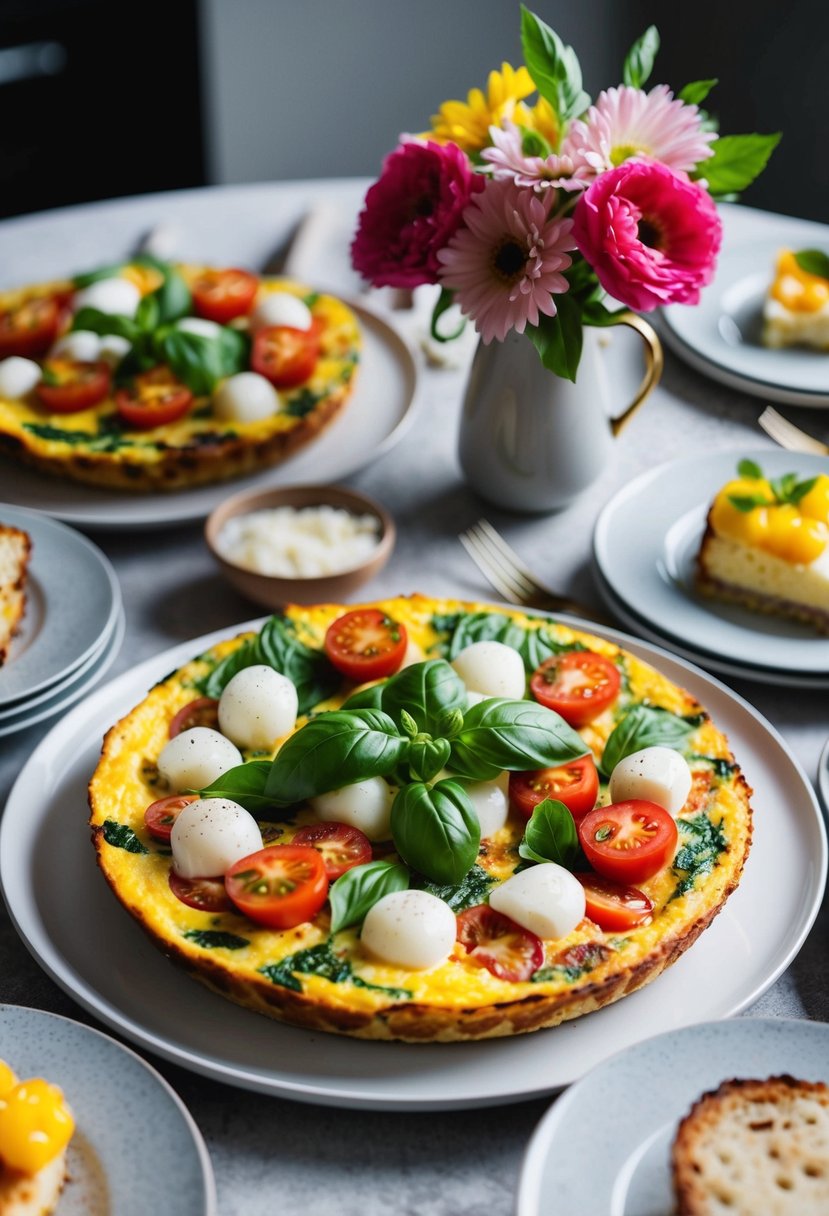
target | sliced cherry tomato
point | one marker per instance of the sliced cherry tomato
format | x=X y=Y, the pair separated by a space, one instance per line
x=281 y=886
x=221 y=295
x=579 y=685
x=160 y=816
x=366 y=644
x=30 y=328
x=156 y=399
x=575 y=784
x=205 y=894
x=499 y=944
x=69 y=385
x=612 y=906
x=284 y=355
x=204 y=711
x=342 y=847
x=628 y=841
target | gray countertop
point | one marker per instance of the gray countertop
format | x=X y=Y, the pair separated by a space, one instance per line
x=266 y=1150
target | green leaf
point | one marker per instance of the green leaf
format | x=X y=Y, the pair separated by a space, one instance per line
x=559 y=339
x=751 y=470
x=700 y=844
x=695 y=93
x=640 y=58
x=554 y=67
x=122 y=837
x=443 y=303
x=215 y=682
x=813 y=261
x=425 y=691
x=533 y=143
x=473 y=889
x=321 y=960
x=436 y=829
x=366 y=698
x=551 y=835
x=747 y=502
x=105 y=323
x=333 y=750
x=214 y=939
x=202 y=362
x=172 y=298
x=244 y=784
x=95 y=276
x=644 y=726
x=535 y=645
x=736 y=162
x=147 y=313
x=501 y=734
x=360 y=888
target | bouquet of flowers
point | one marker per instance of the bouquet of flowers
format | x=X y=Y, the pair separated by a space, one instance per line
x=545 y=215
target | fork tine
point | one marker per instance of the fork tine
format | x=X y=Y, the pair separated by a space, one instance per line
x=788 y=435
x=492 y=573
x=509 y=556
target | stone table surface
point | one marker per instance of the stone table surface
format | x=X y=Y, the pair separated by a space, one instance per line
x=265 y=1150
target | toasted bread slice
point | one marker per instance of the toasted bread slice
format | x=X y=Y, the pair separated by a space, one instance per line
x=35 y=1194
x=15 y=551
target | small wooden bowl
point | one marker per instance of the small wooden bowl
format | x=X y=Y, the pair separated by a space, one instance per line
x=274 y=591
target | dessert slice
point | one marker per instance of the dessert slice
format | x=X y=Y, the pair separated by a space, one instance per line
x=766 y=545
x=35 y=1128
x=796 y=311
x=15 y=550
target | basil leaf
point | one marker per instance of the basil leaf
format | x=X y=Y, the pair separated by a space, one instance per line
x=122 y=837
x=644 y=726
x=559 y=339
x=736 y=161
x=147 y=313
x=435 y=829
x=360 y=888
x=751 y=470
x=246 y=655
x=333 y=750
x=215 y=939
x=309 y=670
x=747 y=502
x=639 y=61
x=105 y=323
x=94 y=276
x=554 y=68
x=696 y=91
x=427 y=757
x=499 y=734
x=426 y=691
x=813 y=261
x=365 y=698
x=534 y=645
x=172 y=298
x=244 y=784
x=551 y=835
x=473 y=889
x=202 y=362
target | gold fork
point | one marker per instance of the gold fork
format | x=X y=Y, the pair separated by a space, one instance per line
x=788 y=435
x=507 y=573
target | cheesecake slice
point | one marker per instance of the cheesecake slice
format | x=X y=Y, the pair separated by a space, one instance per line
x=766 y=546
x=36 y=1126
x=796 y=310
x=15 y=551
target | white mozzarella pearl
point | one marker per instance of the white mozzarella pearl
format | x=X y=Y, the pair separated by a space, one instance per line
x=258 y=706
x=410 y=929
x=81 y=344
x=109 y=295
x=196 y=757
x=246 y=397
x=657 y=774
x=199 y=326
x=365 y=805
x=210 y=834
x=113 y=348
x=493 y=669
x=490 y=801
x=281 y=308
x=546 y=899
x=18 y=377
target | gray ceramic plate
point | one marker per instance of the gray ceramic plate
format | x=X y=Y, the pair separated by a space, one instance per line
x=135 y=1149
x=823 y=778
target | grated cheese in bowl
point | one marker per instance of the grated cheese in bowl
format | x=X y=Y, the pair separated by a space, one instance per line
x=298 y=542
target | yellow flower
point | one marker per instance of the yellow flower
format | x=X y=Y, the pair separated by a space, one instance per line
x=467 y=123
x=541 y=118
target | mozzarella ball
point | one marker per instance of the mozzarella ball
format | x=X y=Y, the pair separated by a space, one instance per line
x=81 y=344
x=257 y=707
x=410 y=929
x=490 y=801
x=18 y=377
x=365 y=805
x=657 y=774
x=245 y=397
x=196 y=757
x=546 y=899
x=210 y=834
x=475 y=698
x=199 y=326
x=109 y=295
x=113 y=348
x=493 y=669
x=281 y=308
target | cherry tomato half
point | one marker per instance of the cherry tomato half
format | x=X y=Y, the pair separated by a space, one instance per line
x=628 y=841
x=69 y=385
x=280 y=886
x=30 y=328
x=155 y=399
x=579 y=685
x=575 y=784
x=284 y=355
x=612 y=906
x=366 y=644
x=204 y=711
x=160 y=816
x=205 y=894
x=499 y=944
x=221 y=295
x=342 y=847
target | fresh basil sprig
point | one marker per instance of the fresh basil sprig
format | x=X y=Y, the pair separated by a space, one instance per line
x=436 y=829
x=244 y=784
x=360 y=888
x=550 y=835
x=533 y=644
x=201 y=362
x=499 y=734
x=426 y=691
x=644 y=726
x=813 y=261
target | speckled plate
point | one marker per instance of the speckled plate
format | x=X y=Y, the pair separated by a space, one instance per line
x=604 y=1148
x=136 y=1148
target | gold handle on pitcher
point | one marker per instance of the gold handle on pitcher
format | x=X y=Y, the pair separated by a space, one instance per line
x=654 y=362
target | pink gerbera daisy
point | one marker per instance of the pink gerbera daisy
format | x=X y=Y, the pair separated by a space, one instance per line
x=628 y=122
x=508 y=160
x=506 y=262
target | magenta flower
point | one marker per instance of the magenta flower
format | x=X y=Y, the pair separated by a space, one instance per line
x=650 y=234
x=411 y=212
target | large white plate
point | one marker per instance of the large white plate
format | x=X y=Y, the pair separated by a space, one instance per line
x=375 y=418
x=135 y=1149
x=603 y=1149
x=645 y=543
x=120 y=977
x=720 y=336
x=73 y=600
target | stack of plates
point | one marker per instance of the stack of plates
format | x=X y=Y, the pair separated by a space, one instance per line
x=72 y=629
x=644 y=550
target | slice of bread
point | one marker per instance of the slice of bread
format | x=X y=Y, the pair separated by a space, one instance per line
x=15 y=551
x=35 y=1195
x=755 y=1148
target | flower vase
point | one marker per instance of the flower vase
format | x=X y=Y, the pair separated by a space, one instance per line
x=533 y=441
